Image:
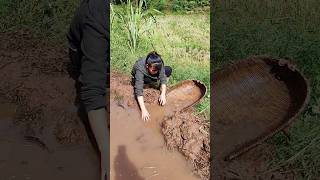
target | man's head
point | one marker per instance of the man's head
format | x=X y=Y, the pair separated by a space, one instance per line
x=153 y=63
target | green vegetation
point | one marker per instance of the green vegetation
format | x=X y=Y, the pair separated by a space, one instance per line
x=180 y=6
x=182 y=41
x=278 y=28
x=48 y=19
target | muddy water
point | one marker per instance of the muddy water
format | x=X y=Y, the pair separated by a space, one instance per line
x=138 y=151
x=34 y=159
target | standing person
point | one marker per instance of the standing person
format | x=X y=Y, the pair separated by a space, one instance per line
x=148 y=71
x=89 y=51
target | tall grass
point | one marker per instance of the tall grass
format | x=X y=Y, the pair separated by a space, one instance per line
x=182 y=40
x=180 y=6
x=278 y=28
x=136 y=20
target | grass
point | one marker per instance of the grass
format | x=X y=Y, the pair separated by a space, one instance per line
x=49 y=20
x=182 y=41
x=281 y=29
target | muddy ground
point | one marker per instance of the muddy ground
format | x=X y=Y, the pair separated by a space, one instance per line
x=183 y=131
x=44 y=137
x=188 y=134
x=35 y=79
x=46 y=130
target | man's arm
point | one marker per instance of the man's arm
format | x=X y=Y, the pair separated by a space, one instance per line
x=138 y=90
x=162 y=98
x=144 y=112
x=163 y=87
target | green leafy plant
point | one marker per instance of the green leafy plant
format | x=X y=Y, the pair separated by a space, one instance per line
x=137 y=21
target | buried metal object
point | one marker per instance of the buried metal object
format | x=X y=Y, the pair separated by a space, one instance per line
x=252 y=100
x=183 y=95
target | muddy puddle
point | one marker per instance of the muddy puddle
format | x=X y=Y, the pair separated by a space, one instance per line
x=28 y=157
x=138 y=150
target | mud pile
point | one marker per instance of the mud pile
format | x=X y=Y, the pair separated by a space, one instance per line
x=183 y=131
x=121 y=90
x=189 y=134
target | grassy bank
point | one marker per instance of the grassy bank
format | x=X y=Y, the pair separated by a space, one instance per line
x=182 y=41
x=281 y=29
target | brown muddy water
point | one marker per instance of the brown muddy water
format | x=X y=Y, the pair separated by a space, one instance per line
x=138 y=150
x=23 y=157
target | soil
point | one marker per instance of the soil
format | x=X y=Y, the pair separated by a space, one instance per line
x=43 y=135
x=182 y=130
x=138 y=150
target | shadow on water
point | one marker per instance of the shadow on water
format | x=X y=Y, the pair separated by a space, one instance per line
x=124 y=168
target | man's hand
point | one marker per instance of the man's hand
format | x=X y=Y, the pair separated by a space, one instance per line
x=144 y=112
x=145 y=115
x=162 y=99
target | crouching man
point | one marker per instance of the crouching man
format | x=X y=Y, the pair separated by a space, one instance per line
x=149 y=71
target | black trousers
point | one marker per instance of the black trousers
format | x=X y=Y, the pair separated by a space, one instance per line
x=89 y=48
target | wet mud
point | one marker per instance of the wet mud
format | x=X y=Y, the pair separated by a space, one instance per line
x=43 y=136
x=31 y=157
x=180 y=131
x=41 y=133
x=138 y=150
